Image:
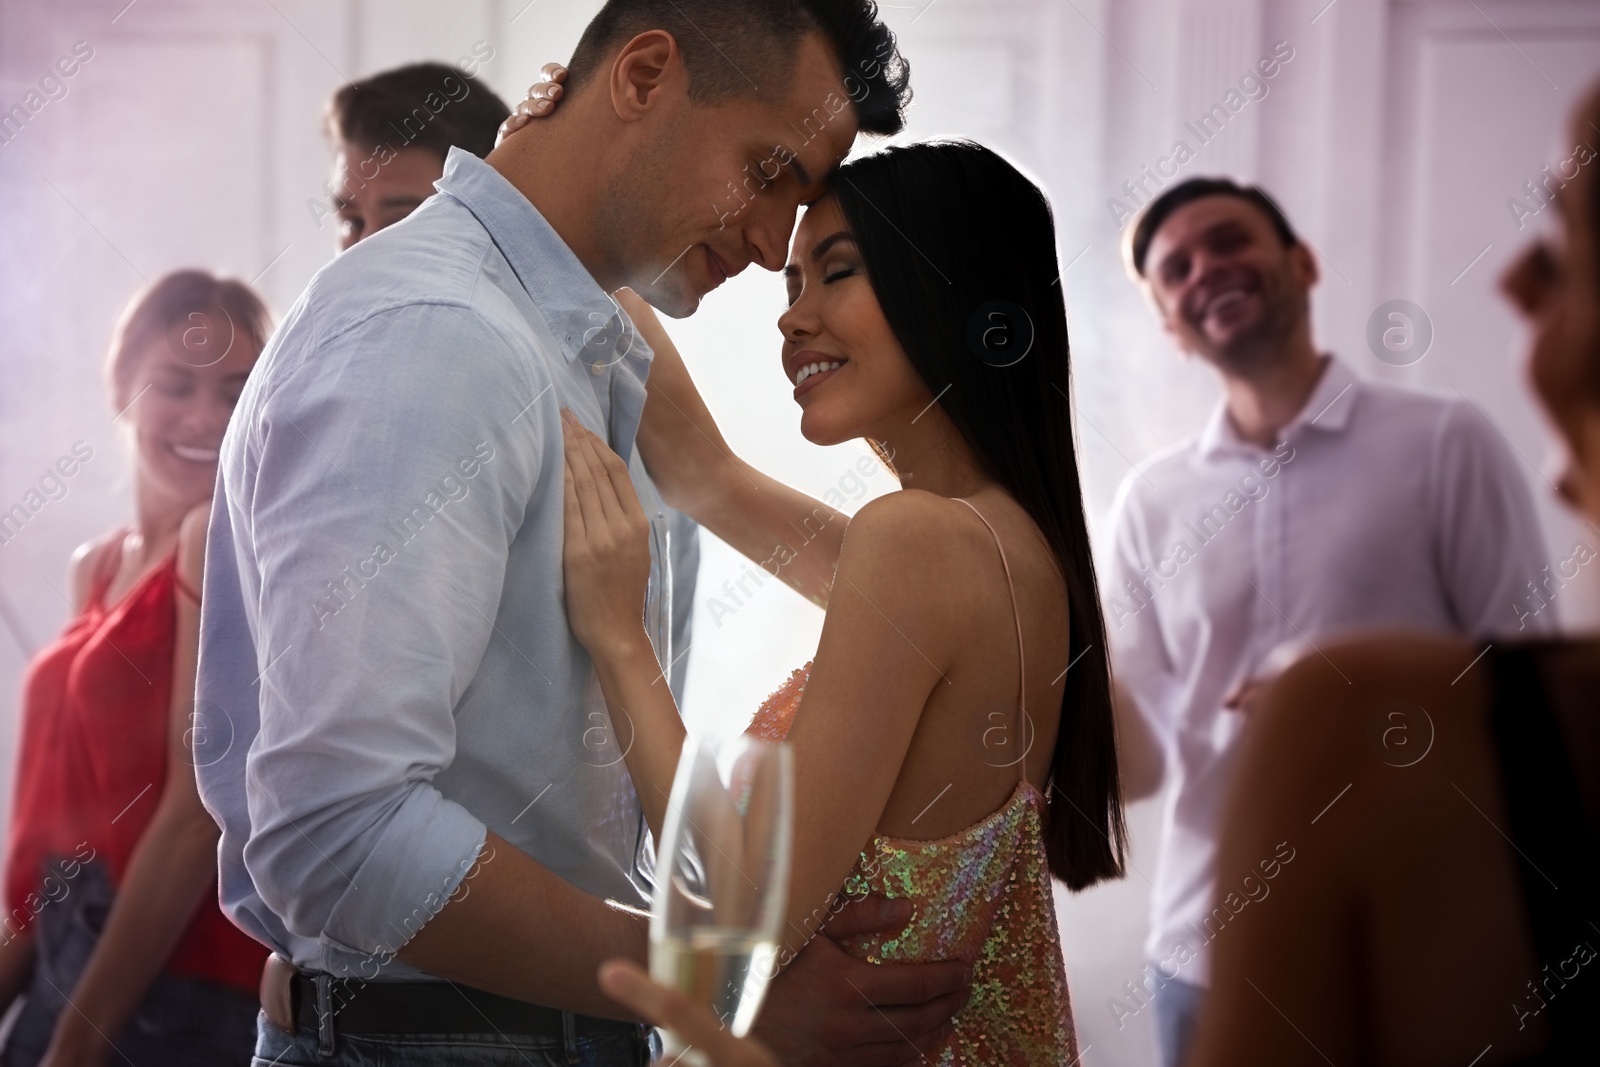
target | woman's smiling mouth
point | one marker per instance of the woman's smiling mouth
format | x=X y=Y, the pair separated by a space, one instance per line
x=193 y=454
x=809 y=376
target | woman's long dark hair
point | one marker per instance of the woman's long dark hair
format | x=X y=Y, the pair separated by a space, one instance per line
x=960 y=248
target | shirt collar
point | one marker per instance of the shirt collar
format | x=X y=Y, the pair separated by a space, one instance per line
x=583 y=317
x=1328 y=409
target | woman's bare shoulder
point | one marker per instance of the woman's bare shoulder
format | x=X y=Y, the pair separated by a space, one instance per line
x=914 y=544
x=1348 y=673
x=192 y=544
x=85 y=563
x=1358 y=703
x=907 y=515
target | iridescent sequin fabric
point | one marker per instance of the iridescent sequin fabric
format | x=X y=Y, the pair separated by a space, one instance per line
x=981 y=895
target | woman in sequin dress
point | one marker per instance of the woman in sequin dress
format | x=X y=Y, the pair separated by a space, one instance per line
x=953 y=736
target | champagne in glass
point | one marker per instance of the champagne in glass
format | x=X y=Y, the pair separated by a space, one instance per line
x=722 y=878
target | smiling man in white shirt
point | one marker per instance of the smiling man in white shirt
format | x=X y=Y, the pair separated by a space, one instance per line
x=1313 y=503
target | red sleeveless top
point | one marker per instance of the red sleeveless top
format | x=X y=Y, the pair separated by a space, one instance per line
x=93 y=761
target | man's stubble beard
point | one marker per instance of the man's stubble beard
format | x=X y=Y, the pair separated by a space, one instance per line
x=634 y=227
x=1259 y=349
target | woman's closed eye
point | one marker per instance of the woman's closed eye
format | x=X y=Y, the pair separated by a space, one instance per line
x=173 y=386
x=834 y=274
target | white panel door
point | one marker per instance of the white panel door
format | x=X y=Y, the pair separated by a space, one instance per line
x=1481 y=106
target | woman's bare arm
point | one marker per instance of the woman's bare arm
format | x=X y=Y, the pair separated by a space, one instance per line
x=888 y=639
x=172 y=866
x=885 y=644
x=793 y=536
x=16 y=966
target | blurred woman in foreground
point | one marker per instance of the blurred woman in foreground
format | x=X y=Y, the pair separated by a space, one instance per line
x=112 y=931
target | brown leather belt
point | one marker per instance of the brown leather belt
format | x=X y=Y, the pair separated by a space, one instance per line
x=325 y=1004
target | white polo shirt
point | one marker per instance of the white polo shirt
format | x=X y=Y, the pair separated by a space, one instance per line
x=1382 y=507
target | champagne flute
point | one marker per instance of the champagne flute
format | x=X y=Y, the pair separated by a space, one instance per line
x=722 y=878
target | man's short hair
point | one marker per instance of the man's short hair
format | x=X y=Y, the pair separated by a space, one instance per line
x=731 y=47
x=1158 y=210
x=423 y=105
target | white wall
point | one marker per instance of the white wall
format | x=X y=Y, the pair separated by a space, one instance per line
x=1393 y=138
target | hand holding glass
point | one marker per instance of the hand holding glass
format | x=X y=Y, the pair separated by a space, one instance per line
x=723 y=875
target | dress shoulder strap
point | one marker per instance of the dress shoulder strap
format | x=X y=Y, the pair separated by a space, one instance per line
x=1022 y=663
x=182 y=586
x=106 y=568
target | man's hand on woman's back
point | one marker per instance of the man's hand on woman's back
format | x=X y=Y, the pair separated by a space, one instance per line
x=828 y=1008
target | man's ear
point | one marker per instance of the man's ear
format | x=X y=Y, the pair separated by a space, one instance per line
x=1305 y=264
x=646 y=65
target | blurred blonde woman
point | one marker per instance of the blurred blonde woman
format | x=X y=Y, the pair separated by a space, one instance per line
x=112 y=931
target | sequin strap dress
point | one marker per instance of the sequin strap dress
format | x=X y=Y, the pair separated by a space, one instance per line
x=981 y=895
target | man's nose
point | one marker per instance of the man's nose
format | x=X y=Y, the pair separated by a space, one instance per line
x=1203 y=267
x=767 y=235
x=1520 y=285
x=1204 y=270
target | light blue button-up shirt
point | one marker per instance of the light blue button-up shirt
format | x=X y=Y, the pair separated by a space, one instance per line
x=386 y=669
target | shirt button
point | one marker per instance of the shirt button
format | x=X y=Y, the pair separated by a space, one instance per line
x=597 y=369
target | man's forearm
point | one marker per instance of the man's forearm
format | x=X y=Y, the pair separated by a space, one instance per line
x=1142 y=763
x=517 y=929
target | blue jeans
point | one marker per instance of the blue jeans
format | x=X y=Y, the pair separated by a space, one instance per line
x=276 y=1047
x=1178 y=1006
x=180 y=1022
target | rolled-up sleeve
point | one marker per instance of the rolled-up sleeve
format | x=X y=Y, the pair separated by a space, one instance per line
x=1490 y=545
x=383 y=493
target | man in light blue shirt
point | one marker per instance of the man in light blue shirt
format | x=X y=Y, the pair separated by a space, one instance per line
x=404 y=745
x=363 y=121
